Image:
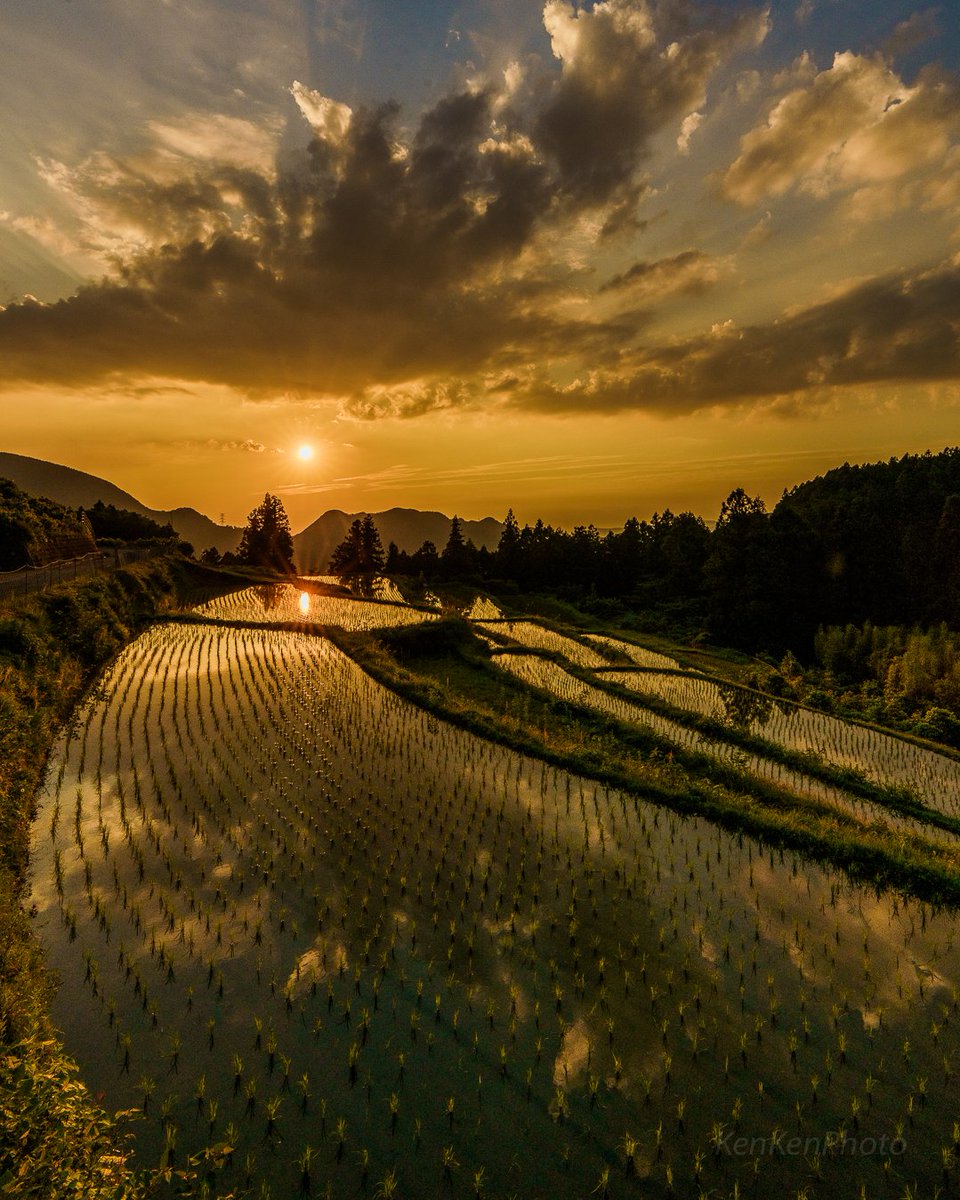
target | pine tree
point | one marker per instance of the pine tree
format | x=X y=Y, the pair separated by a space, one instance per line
x=346 y=559
x=360 y=554
x=267 y=540
x=509 y=551
x=373 y=556
x=454 y=559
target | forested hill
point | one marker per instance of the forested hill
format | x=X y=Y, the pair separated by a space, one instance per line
x=878 y=543
x=887 y=538
x=38 y=531
x=76 y=488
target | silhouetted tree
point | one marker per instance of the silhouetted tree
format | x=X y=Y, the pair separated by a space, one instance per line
x=426 y=561
x=736 y=570
x=360 y=554
x=455 y=559
x=507 y=559
x=108 y=521
x=945 y=562
x=267 y=540
x=395 y=560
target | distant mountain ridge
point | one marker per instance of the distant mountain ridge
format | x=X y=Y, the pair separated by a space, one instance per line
x=408 y=527
x=77 y=489
x=313 y=546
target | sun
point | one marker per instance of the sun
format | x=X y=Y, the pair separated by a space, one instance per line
x=305 y=452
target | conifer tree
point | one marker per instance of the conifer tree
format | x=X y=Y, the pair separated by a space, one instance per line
x=267 y=540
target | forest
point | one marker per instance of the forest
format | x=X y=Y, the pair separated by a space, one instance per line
x=877 y=543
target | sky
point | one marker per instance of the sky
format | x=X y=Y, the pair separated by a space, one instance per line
x=586 y=260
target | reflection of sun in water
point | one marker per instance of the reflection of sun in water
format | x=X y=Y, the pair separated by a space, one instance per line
x=304 y=602
x=305 y=452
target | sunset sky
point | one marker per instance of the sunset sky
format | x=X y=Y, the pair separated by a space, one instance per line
x=588 y=261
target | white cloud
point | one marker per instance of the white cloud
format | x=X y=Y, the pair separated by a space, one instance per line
x=855 y=124
x=207 y=137
x=688 y=128
x=329 y=119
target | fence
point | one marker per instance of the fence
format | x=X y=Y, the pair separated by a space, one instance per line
x=29 y=579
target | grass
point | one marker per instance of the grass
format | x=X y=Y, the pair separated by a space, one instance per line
x=896 y=799
x=443 y=669
x=54 y=1141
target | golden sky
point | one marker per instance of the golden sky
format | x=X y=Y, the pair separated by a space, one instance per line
x=586 y=261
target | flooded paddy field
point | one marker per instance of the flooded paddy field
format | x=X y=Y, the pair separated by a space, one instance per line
x=366 y=953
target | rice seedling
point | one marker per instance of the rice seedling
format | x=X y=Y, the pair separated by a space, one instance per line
x=309 y=884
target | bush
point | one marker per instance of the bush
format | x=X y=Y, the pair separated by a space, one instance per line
x=939 y=725
x=816 y=698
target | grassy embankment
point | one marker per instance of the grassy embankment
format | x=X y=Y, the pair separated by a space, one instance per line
x=54 y=1140
x=443 y=668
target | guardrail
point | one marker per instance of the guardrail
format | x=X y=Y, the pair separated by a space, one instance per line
x=27 y=579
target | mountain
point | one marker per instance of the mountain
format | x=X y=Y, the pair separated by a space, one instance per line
x=77 y=489
x=408 y=527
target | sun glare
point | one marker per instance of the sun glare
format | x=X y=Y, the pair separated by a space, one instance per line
x=305 y=602
x=305 y=452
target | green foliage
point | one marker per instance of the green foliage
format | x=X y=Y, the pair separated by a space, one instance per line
x=108 y=521
x=434 y=639
x=902 y=674
x=939 y=725
x=55 y=1143
x=36 y=530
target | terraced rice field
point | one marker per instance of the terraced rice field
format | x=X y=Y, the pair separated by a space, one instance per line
x=283 y=602
x=887 y=760
x=639 y=655
x=376 y=955
x=551 y=677
x=528 y=633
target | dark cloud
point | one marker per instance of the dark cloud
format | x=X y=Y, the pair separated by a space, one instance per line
x=918 y=28
x=371 y=259
x=403 y=274
x=901 y=329
x=628 y=70
x=691 y=271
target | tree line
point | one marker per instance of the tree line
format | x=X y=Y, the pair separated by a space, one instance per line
x=877 y=543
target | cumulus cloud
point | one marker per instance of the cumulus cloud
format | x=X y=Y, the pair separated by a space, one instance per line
x=918 y=28
x=378 y=264
x=688 y=128
x=194 y=177
x=856 y=123
x=627 y=71
x=329 y=118
x=399 y=270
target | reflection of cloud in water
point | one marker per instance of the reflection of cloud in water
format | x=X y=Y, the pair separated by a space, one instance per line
x=573 y=1056
x=325 y=957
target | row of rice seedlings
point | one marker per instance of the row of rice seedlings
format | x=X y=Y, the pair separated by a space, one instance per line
x=283 y=602
x=482 y=608
x=439 y=953
x=550 y=676
x=378 y=588
x=528 y=633
x=636 y=654
x=887 y=760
